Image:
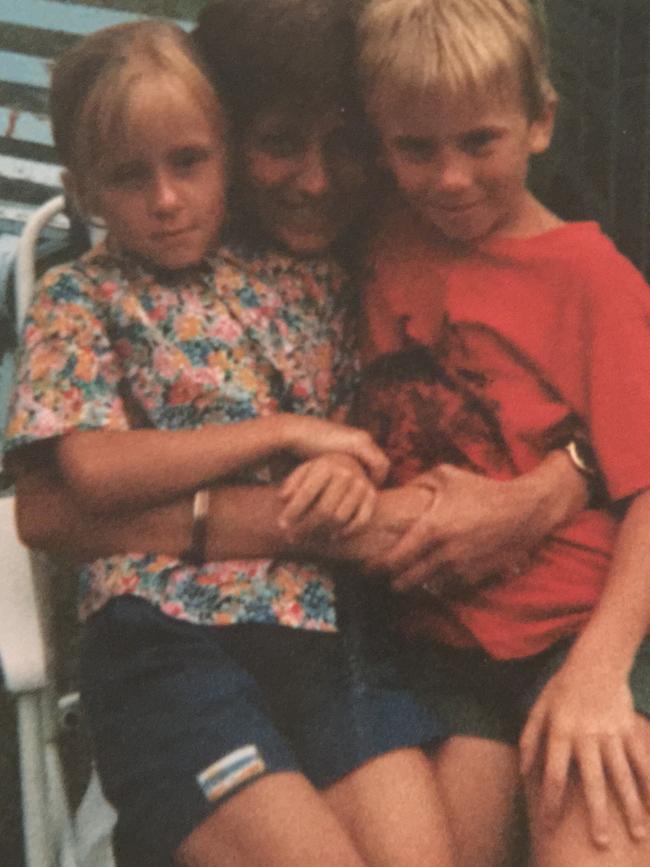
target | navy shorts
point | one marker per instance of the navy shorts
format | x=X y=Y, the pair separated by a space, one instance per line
x=182 y=716
x=476 y=695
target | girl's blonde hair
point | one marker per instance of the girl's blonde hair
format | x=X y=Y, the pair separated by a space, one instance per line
x=92 y=83
x=453 y=47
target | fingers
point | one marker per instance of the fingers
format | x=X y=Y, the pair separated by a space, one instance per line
x=413 y=545
x=373 y=459
x=347 y=504
x=301 y=489
x=594 y=786
x=324 y=495
x=361 y=518
x=640 y=763
x=556 y=761
x=615 y=754
x=530 y=740
x=430 y=572
x=602 y=763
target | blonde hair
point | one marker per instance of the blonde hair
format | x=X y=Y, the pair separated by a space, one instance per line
x=454 y=47
x=92 y=85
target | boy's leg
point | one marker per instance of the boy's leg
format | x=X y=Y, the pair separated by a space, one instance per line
x=392 y=809
x=568 y=843
x=278 y=821
x=480 y=787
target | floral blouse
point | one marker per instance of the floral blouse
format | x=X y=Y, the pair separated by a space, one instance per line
x=108 y=344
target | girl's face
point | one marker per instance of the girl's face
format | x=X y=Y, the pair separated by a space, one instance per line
x=162 y=194
x=303 y=183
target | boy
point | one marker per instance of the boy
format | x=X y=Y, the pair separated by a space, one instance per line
x=543 y=338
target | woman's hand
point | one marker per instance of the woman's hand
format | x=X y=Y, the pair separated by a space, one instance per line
x=474 y=527
x=584 y=721
x=310 y=437
x=331 y=493
x=477 y=528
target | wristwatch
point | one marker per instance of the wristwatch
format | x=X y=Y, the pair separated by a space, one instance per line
x=584 y=460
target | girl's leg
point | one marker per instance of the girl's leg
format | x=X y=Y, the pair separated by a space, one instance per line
x=479 y=784
x=392 y=809
x=568 y=843
x=278 y=821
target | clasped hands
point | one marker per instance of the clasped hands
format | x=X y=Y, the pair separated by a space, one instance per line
x=446 y=531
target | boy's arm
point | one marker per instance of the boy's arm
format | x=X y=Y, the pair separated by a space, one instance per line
x=476 y=527
x=585 y=715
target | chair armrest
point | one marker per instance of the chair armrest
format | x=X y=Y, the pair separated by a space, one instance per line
x=23 y=653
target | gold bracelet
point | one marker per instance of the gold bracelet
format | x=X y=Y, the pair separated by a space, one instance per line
x=195 y=554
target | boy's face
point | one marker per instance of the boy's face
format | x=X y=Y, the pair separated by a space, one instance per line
x=461 y=163
x=162 y=194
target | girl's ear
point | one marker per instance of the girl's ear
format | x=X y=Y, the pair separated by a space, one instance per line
x=541 y=129
x=82 y=200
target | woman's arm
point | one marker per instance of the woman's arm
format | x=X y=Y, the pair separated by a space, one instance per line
x=242 y=522
x=109 y=470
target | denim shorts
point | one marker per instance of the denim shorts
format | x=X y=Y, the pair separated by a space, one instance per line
x=474 y=694
x=183 y=716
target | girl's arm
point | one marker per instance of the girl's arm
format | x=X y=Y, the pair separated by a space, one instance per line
x=108 y=470
x=585 y=715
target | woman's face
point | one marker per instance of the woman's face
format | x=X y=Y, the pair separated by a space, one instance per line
x=302 y=181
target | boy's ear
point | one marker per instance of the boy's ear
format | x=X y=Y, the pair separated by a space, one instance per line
x=541 y=129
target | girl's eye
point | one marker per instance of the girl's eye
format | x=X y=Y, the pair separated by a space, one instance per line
x=186 y=159
x=128 y=175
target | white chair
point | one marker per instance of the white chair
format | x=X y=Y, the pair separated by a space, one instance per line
x=53 y=837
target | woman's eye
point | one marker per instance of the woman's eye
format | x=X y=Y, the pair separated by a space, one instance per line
x=278 y=144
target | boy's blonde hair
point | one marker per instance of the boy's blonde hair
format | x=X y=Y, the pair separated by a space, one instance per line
x=453 y=47
x=91 y=87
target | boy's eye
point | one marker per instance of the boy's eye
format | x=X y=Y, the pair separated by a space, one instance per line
x=480 y=140
x=415 y=149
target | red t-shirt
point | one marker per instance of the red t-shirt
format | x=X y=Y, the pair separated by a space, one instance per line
x=487 y=359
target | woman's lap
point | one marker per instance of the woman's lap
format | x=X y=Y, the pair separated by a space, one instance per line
x=184 y=716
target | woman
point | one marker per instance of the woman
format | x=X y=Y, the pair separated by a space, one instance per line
x=299 y=184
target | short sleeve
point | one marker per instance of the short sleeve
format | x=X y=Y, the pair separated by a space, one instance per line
x=67 y=374
x=615 y=360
